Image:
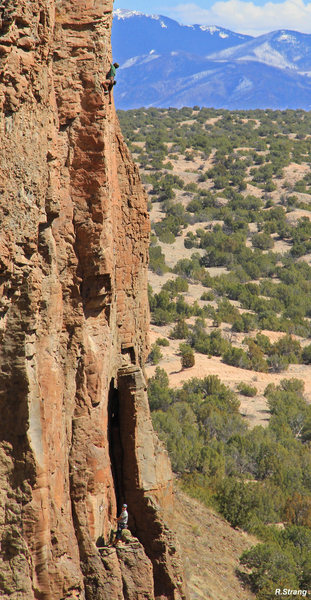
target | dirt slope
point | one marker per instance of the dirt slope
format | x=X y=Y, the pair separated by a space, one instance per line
x=211 y=550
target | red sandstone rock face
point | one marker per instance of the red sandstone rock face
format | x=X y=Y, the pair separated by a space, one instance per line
x=75 y=430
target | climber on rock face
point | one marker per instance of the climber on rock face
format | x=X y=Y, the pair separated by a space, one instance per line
x=110 y=80
x=122 y=523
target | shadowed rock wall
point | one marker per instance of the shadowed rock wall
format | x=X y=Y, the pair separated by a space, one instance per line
x=75 y=431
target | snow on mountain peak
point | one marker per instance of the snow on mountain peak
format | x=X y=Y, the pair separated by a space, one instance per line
x=122 y=13
x=287 y=37
x=265 y=53
x=157 y=18
x=213 y=29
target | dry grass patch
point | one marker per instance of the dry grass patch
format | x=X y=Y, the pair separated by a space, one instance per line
x=211 y=551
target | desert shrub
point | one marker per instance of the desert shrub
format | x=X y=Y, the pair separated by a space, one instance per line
x=287 y=405
x=164 y=310
x=208 y=296
x=176 y=286
x=256 y=357
x=263 y=342
x=179 y=430
x=278 y=363
x=298 y=509
x=247 y=390
x=190 y=240
x=237 y=501
x=262 y=241
x=163 y=342
x=190 y=268
x=287 y=347
x=272 y=567
x=180 y=330
x=237 y=358
x=227 y=311
x=245 y=322
x=187 y=356
x=159 y=394
x=162 y=316
x=169 y=227
x=155 y=354
x=306 y=355
x=157 y=260
x=206 y=343
x=190 y=187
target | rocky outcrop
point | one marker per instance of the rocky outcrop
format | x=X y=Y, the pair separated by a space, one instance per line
x=75 y=430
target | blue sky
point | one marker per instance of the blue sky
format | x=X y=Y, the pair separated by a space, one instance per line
x=245 y=16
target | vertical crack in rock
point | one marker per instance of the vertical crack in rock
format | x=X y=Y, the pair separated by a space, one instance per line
x=76 y=435
x=146 y=483
x=115 y=445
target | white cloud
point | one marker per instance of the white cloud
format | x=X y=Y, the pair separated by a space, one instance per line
x=246 y=17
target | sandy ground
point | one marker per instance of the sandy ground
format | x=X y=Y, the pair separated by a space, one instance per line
x=297 y=214
x=254 y=409
x=294 y=172
x=176 y=251
x=210 y=549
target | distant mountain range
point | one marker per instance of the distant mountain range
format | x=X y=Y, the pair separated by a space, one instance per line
x=164 y=63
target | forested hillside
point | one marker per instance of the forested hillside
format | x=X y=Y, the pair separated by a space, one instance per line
x=230 y=299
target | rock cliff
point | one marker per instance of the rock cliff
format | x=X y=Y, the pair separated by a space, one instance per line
x=75 y=430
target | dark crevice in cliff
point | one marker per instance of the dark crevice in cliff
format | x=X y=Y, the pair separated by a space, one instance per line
x=69 y=122
x=144 y=519
x=114 y=440
x=96 y=294
x=79 y=26
x=128 y=351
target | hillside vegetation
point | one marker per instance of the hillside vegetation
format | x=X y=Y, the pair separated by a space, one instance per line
x=230 y=299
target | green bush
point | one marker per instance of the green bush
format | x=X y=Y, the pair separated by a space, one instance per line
x=159 y=394
x=155 y=354
x=278 y=363
x=162 y=342
x=180 y=331
x=272 y=567
x=237 y=358
x=208 y=296
x=262 y=241
x=162 y=316
x=205 y=343
x=237 y=502
x=187 y=356
x=191 y=187
x=288 y=348
x=306 y=355
x=176 y=286
x=157 y=260
x=247 y=390
x=256 y=357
